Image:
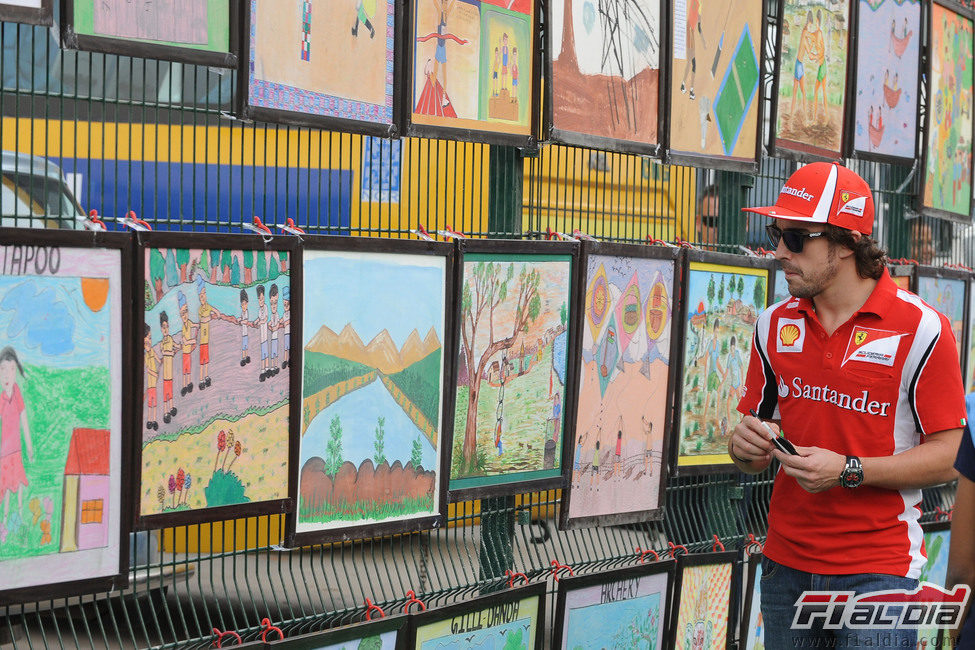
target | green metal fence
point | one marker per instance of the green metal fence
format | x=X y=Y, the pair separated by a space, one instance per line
x=157 y=138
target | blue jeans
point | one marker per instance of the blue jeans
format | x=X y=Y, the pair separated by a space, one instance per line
x=782 y=587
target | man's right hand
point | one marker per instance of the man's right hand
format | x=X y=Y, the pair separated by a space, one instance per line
x=750 y=446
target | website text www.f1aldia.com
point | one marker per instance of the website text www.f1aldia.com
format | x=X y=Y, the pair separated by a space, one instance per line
x=855 y=641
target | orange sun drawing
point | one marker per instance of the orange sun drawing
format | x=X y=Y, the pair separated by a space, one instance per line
x=95 y=292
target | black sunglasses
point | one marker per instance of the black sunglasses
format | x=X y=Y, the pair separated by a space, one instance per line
x=794 y=239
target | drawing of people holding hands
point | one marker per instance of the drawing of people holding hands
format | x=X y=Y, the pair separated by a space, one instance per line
x=187 y=343
x=152 y=378
x=13 y=421
x=206 y=313
x=168 y=349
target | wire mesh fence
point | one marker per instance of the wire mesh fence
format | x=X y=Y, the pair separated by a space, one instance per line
x=158 y=139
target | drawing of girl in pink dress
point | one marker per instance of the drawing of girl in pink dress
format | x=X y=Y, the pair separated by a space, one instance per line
x=13 y=418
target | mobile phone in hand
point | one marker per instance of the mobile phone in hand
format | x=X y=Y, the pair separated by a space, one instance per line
x=783 y=445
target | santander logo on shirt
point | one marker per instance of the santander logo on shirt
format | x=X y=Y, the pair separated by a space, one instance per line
x=859 y=403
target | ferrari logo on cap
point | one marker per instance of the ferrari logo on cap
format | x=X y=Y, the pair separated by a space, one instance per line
x=844 y=196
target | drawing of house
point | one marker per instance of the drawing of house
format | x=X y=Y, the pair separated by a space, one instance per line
x=87 y=484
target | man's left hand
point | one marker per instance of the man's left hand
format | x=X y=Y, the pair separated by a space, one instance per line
x=815 y=469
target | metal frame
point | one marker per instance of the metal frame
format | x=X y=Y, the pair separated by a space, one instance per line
x=464 y=134
x=563 y=136
x=854 y=70
x=731 y=261
x=751 y=565
x=904 y=271
x=727 y=163
x=352 y=633
x=123 y=244
x=965 y=277
x=42 y=16
x=969 y=15
x=150 y=240
x=633 y=573
x=448 y=354
x=131 y=47
x=468 y=609
x=799 y=151
x=708 y=559
x=569 y=433
x=298 y=118
x=516 y=249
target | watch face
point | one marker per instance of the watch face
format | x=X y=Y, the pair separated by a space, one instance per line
x=851 y=476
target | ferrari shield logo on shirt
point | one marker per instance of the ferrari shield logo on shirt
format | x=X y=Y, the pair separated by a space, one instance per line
x=872 y=346
x=791 y=335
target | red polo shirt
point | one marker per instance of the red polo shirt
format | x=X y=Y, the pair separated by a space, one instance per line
x=881 y=382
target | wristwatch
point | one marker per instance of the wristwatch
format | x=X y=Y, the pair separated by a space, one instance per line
x=852 y=474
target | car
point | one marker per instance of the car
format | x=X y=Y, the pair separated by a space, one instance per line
x=35 y=194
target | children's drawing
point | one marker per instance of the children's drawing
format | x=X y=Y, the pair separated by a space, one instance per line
x=948 y=146
x=623 y=387
x=60 y=441
x=499 y=622
x=373 y=327
x=704 y=604
x=947 y=295
x=970 y=375
x=511 y=369
x=715 y=59
x=753 y=627
x=605 y=55
x=473 y=65
x=379 y=634
x=937 y=538
x=811 y=98
x=888 y=57
x=620 y=611
x=780 y=288
x=315 y=59
x=723 y=303
x=216 y=337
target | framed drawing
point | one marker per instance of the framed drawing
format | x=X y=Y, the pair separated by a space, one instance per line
x=203 y=32
x=886 y=62
x=970 y=355
x=509 y=619
x=937 y=538
x=625 y=608
x=618 y=432
x=510 y=379
x=724 y=295
x=341 y=73
x=946 y=291
x=714 y=106
x=473 y=70
x=65 y=481
x=374 y=319
x=704 y=600
x=752 y=625
x=382 y=634
x=216 y=330
x=947 y=181
x=902 y=275
x=611 y=59
x=810 y=94
x=32 y=12
x=780 y=288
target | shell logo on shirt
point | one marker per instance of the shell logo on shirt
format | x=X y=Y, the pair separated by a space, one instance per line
x=870 y=345
x=791 y=335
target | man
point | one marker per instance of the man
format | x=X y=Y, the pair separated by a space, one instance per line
x=864 y=379
x=922 y=242
x=961 y=553
x=707 y=216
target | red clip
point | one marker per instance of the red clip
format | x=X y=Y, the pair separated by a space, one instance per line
x=222 y=635
x=682 y=243
x=289 y=226
x=93 y=219
x=753 y=544
x=423 y=232
x=643 y=554
x=266 y=624
x=673 y=549
x=939 y=513
x=371 y=608
x=551 y=234
x=260 y=225
x=413 y=600
x=511 y=577
x=717 y=544
x=456 y=233
x=556 y=567
x=130 y=217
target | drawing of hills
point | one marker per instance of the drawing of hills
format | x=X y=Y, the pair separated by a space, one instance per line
x=381 y=352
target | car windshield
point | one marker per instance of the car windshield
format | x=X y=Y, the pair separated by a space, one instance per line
x=26 y=197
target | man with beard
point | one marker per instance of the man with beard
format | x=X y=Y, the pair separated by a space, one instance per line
x=864 y=379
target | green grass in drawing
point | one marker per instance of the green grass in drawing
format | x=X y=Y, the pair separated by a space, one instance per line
x=324 y=370
x=420 y=382
x=365 y=510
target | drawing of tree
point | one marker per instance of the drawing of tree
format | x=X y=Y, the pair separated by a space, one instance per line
x=370 y=643
x=183 y=260
x=283 y=256
x=721 y=290
x=484 y=291
x=187 y=485
x=248 y=266
x=564 y=313
x=172 y=488
x=226 y=262
x=235 y=272
x=261 y=266
x=238 y=450
x=203 y=263
x=272 y=269
x=333 y=448
x=180 y=482
x=379 y=443
x=416 y=455
x=214 y=265
x=758 y=295
x=741 y=287
x=710 y=293
x=172 y=275
x=157 y=271
x=221 y=445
